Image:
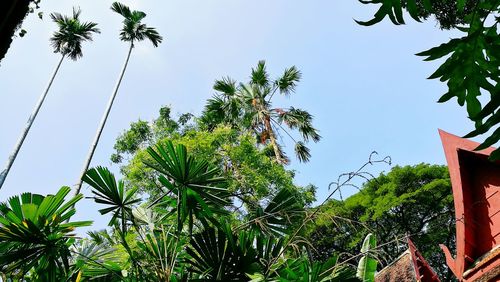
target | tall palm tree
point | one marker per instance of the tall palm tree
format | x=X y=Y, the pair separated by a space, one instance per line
x=133 y=30
x=67 y=41
x=249 y=106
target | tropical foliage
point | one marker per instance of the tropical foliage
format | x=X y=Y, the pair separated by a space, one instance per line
x=133 y=31
x=248 y=106
x=409 y=200
x=367 y=265
x=186 y=233
x=210 y=198
x=471 y=63
x=247 y=167
x=67 y=41
x=71 y=34
x=36 y=235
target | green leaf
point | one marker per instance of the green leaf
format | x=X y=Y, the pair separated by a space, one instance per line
x=492 y=139
x=367 y=265
x=461 y=5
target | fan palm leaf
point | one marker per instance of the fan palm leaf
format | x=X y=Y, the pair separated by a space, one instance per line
x=279 y=214
x=199 y=189
x=112 y=193
x=34 y=235
x=217 y=255
x=96 y=262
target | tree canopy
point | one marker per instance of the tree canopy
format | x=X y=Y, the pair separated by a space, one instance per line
x=410 y=200
x=250 y=171
x=248 y=106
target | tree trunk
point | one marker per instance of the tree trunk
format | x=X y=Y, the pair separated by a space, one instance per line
x=12 y=157
x=103 y=123
x=272 y=138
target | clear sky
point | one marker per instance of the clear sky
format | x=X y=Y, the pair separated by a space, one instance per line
x=364 y=86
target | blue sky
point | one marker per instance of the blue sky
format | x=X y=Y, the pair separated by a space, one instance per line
x=365 y=88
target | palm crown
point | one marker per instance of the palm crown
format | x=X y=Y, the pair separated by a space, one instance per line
x=68 y=39
x=133 y=29
x=249 y=106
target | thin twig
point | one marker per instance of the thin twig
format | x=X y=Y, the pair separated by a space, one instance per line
x=350 y=176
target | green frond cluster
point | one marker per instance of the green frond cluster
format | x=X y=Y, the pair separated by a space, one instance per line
x=249 y=107
x=133 y=29
x=71 y=34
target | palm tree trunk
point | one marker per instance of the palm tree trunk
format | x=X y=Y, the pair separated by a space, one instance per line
x=103 y=123
x=272 y=138
x=12 y=157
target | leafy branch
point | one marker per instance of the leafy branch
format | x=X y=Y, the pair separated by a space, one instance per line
x=472 y=65
x=343 y=180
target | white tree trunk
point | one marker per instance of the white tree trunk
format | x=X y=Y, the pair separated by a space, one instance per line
x=103 y=123
x=12 y=157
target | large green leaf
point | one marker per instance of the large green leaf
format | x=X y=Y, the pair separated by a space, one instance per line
x=472 y=62
x=472 y=69
x=111 y=193
x=197 y=186
x=219 y=255
x=35 y=236
x=367 y=265
x=279 y=215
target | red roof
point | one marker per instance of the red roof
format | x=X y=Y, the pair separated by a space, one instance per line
x=410 y=266
x=476 y=192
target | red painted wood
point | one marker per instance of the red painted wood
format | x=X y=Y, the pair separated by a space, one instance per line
x=476 y=193
x=423 y=271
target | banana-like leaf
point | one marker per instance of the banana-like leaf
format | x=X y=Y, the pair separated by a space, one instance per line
x=367 y=265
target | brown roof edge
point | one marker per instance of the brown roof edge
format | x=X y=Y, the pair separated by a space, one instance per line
x=423 y=270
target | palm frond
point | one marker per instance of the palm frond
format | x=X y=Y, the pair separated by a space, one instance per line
x=71 y=34
x=303 y=153
x=219 y=255
x=34 y=235
x=288 y=81
x=259 y=75
x=121 y=9
x=111 y=193
x=226 y=86
x=301 y=120
x=153 y=36
x=199 y=189
x=76 y=13
x=280 y=213
x=133 y=30
x=94 y=261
